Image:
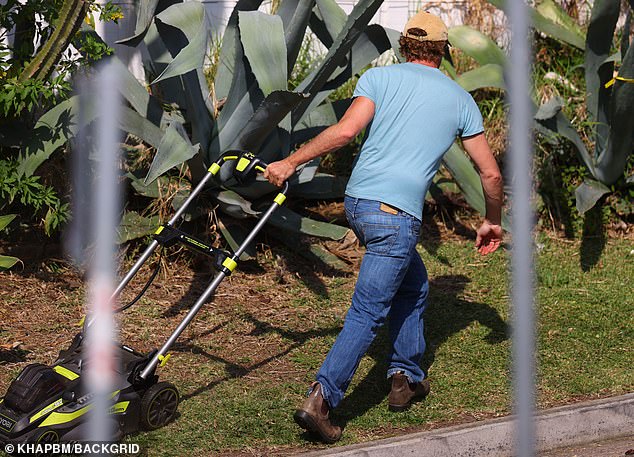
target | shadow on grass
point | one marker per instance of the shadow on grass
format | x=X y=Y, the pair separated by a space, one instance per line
x=234 y=370
x=197 y=286
x=446 y=315
x=309 y=275
x=594 y=240
x=297 y=260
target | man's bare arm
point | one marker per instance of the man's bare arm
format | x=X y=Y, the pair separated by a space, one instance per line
x=478 y=149
x=489 y=235
x=355 y=119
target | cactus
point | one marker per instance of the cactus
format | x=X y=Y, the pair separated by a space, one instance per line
x=69 y=21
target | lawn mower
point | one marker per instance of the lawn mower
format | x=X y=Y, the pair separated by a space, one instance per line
x=48 y=404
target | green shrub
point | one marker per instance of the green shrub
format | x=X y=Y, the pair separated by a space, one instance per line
x=34 y=80
x=32 y=197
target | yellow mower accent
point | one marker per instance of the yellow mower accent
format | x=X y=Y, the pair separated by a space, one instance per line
x=163 y=359
x=280 y=199
x=62 y=418
x=46 y=410
x=119 y=408
x=230 y=264
x=65 y=372
x=214 y=169
x=242 y=164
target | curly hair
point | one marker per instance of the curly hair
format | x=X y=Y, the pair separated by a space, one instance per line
x=430 y=51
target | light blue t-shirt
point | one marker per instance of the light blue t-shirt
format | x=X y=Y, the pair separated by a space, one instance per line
x=418 y=114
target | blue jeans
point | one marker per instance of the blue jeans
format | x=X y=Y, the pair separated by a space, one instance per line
x=392 y=285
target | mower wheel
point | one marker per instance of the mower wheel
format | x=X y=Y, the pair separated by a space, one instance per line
x=46 y=437
x=49 y=436
x=158 y=405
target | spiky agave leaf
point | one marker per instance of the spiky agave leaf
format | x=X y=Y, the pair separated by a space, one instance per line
x=605 y=14
x=327 y=21
x=258 y=54
x=295 y=15
x=489 y=75
x=175 y=41
x=588 y=194
x=231 y=53
x=173 y=150
x=477 y=45
x=188 y=18
x=612 y=109
x=146 y=10
x=334 y=61
x=564 y=29
x=551 y=117
x=264 y=51
x=551 y=20
x=612 y=159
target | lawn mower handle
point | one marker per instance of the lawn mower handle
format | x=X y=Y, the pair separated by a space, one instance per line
x=248 y=164
x=246 y=168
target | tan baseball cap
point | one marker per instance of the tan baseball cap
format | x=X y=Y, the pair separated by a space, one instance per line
x=433 y=28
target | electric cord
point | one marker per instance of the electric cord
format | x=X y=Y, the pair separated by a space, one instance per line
x=145 y=287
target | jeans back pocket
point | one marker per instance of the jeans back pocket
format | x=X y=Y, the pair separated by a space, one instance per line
x=379 y=238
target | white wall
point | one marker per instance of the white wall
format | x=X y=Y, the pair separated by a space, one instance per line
x=111 y=32
x=218 y=12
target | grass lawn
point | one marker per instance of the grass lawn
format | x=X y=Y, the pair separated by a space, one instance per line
x=245 y=363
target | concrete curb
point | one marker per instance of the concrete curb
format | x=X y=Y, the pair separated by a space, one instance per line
x=557 y=427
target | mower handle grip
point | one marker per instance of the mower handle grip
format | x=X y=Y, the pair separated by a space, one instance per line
x=247 y=165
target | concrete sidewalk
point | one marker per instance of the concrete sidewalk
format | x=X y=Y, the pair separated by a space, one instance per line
x=615 y=447
x=566 y=426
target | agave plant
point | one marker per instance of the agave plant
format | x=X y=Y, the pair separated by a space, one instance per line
x=609 y=101
x=609 y=98
x=251 y=107
x=350 y=50
x=258 y=112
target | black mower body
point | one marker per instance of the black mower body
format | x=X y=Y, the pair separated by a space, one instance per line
x=49 y=403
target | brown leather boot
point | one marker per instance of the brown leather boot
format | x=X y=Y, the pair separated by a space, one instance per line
x=313 y=416
x=403 y=392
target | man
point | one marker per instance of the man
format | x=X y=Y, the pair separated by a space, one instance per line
x=413 y=113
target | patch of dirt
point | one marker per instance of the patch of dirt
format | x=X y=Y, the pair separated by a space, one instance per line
x=248 y=326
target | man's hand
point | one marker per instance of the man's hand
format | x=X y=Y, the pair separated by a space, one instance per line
x=488 y=238
x=278 y=172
